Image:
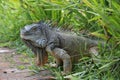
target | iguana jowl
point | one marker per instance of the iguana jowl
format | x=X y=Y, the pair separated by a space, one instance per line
x=67 y=48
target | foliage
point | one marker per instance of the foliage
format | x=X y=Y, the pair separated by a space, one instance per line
x=100 y=18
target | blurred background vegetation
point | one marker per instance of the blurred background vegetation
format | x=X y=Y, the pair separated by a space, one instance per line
x=99 y=18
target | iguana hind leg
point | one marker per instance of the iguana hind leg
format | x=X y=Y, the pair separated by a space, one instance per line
x=93 y=51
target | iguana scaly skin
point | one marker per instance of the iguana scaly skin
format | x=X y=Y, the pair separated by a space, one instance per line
x=67 y=48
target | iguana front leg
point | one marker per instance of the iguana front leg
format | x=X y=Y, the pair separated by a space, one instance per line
x=61 y=54
x=59 y=62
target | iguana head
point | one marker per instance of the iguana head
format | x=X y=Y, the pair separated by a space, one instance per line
x=34 y=36
x=36 y=33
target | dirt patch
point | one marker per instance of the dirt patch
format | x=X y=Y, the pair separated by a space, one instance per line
x=10 y=64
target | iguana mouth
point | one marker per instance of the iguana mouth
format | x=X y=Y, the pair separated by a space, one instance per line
x=25 y=35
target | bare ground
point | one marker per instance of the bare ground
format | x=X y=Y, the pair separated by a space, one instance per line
x=15 y=67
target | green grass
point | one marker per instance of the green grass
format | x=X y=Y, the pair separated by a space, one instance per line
x=98 y=18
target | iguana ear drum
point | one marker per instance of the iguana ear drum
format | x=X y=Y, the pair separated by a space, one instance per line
x=41 y=57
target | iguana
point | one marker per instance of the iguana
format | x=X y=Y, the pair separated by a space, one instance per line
x=67 y=48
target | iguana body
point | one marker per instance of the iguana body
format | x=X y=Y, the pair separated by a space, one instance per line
x=66 y=48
